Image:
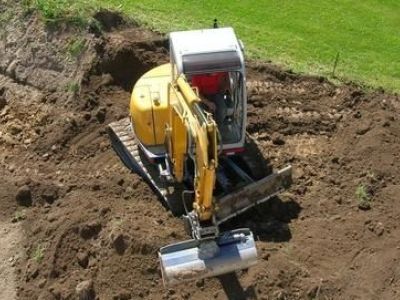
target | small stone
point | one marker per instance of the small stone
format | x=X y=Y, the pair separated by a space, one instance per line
x=363 y=128
x=301 y=190
x=277 y=139
x=312 y=291
x=9 y=140
x=42 y=283
x=379 y=229
x=364 y=205
x=10 y=71
x=335 y=160
x=118 y=242
x=87 y=116
x=106 y=79
x=299 y=173
x=34 y=273
x=15 y=129
x=129 y=190
x=83 y=259
x=50 y=194
x=104 y=211
x=101 y=114
x=338 y=199
x=200 y=283
x=124 y=295
x=85 y=290
x=24 y=196
x=266 y=256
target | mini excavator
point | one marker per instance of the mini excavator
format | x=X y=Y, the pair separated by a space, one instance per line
x=198 y=166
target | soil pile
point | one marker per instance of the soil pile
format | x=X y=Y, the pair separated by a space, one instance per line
x=93 y=228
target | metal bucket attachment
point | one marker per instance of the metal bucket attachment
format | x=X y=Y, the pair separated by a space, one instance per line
x=196 y=259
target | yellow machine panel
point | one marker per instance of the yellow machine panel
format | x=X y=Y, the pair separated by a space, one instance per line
x=149 y=105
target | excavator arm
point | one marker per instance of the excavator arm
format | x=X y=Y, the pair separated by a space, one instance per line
x=191 y=132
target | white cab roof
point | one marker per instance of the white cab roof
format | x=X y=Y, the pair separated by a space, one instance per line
x=204 y=40
x=192 y=42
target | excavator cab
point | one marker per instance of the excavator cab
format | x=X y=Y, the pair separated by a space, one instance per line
x=212 y=51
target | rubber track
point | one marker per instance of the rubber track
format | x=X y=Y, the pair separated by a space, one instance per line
x=125 y=144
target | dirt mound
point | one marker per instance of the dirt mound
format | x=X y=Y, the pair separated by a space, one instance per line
x=94 y=224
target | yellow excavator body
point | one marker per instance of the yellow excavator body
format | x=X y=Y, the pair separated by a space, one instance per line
x=149 y=105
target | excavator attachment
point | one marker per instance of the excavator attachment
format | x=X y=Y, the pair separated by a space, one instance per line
x=231 y=251
x=252 y=194
x=208 y=257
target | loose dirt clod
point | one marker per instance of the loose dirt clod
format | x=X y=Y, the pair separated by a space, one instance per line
x=24 y=196
x=83 y=259
x=90 y=229
x=85 y=291
x=3 y=102
x=118 y=241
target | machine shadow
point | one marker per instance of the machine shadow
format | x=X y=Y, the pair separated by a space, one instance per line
x=269 y=220
x=233 y=289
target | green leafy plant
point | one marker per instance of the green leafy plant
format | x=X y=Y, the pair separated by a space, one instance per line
x=363 y=197
x=72 y=87
x=38 y=253
x=5 y=17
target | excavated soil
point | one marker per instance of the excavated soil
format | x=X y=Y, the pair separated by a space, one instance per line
x=74 y=219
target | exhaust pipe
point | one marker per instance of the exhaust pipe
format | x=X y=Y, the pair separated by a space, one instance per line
x=197 y=259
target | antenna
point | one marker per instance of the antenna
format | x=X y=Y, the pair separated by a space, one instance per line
x=215 y=25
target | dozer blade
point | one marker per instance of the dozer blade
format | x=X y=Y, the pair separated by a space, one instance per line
x=252 y=194
x=196 y=259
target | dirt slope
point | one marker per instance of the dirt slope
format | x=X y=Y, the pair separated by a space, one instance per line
x=88 y=219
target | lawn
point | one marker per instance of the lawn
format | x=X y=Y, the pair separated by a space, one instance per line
x=304 y=36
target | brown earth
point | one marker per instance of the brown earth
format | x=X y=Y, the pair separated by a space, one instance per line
x=90 y=223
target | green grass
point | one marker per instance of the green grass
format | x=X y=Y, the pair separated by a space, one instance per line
x=67 y=11
x=76 y=47
x=72 y=87
x=302 y=35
